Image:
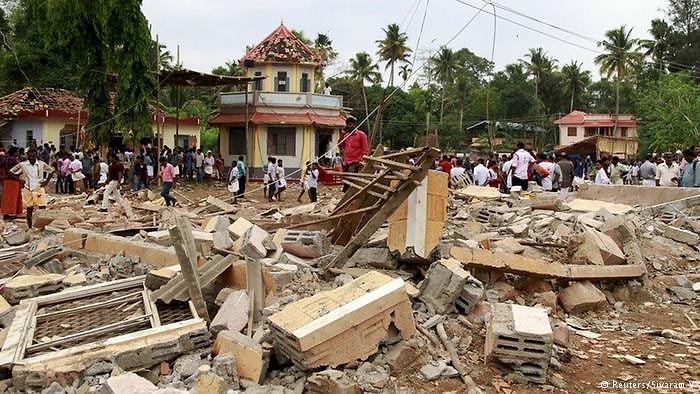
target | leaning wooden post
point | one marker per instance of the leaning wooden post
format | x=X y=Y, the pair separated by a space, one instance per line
x=256 y=288
x=183 y=242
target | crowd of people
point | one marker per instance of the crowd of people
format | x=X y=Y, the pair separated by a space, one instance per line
x=564 y=172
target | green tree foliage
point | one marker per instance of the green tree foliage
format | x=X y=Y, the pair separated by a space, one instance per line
x=575 y=80
x=620 y=58
x=671 y=113
x=538 y=64
x=393 y=49
x=362 y=70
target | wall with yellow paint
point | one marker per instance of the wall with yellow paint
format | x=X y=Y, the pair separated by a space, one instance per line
x=185 y=130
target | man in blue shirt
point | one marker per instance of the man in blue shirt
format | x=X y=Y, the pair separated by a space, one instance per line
x=189 y=160
x=691 y=172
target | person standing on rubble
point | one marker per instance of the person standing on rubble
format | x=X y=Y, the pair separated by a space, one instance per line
x=691 y=172
x=233 y=185
x=354 y=146
x=647 y=172
x=115 y=174
x=304 y=180
x=12 y=189
x=167 y=174
x=241 y=177
x=567 y=173
x=667 y=172
x=34 y=175
x=271 y=178
x=601 y=177
x=313 y=182
x=521 y=162
x=481 y=173
x=617 y=171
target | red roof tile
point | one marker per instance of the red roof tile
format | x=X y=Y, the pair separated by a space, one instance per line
x=281 y=46
x=596 y=120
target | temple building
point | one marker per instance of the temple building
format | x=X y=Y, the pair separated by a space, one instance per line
x=285 y=119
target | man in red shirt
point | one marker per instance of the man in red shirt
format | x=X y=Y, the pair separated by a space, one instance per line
x=354 y=145
x=445 y=164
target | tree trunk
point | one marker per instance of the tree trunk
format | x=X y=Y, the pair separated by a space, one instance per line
x=442 y=103
x=617 y=102
x=364 y=98
x=461 y=117
x=391 y=77
x=573 y=90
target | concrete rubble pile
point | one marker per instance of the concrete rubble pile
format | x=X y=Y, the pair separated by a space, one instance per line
x=493 y=293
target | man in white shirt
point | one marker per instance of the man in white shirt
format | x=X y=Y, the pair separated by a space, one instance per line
x=481 y=174
x=601 y=177
x=457 y=170
x=272 y=175
x=520 y=163
x=34 y=174
x=507 y=173
x=548 y=180
x=667 y=172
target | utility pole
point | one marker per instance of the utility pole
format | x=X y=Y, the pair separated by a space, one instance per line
x=158 y=136
x=177 y=101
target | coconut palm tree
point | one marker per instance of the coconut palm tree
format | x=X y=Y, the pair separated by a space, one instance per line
x=445 y=65
x=460 y=94
x=575 y=80
x=324 y=47
x=538 y=64
x=659 y=48
x=393 y=49
x=405 y=72
x=619 y=60
x=362 y=70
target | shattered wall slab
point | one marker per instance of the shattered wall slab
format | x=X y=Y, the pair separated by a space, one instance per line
x=115 y=321
x=90 y=241
x=521 y=265
x=635 y=195
x=344 y=324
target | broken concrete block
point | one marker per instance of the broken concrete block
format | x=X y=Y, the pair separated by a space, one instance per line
x=508 y=245
x=17 y=237
x=519 y=229
x=75 y=279
x=345 y=324
x=253 y=243
x=127 y=383
x=224 y=365
x=210 y=383
x=305 y=244
x=376 y=257
x=290 y=259
x=239 y=227
x=233 y=314
x=594 y=247
x=222 y=240
x=679 y=234
x=29 y=286
x=4 y=305
x=521 y=337
x=43 y=217
x=582 y=297
x=90 y=241
x=402 y=355
x=157 y=278
x=215 y=224
x=467 y=230
x=444 y=282
x=471 y=294
x=561 y=335
x=620 y=229
x=547 y=299
x=251 y=362
x=331 y=381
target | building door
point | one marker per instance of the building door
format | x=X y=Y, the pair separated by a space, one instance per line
x=68 y=139
x=324 y=144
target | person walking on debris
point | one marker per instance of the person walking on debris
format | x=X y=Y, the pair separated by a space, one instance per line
x=167 y=174
x=12 y=189
x=103 y=172
x=601 y=177
x=647 y=172
x=240 y=165
x=233 y=185
x=567 y=173
x=354 y=146
x=115 y=174
x=691 y=172
x=521 y=163
x=313 y=182
x=304 y=181
x=281 y=179
x=271 y=173
x=34 y=175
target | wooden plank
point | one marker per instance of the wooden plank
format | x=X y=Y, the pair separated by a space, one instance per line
x=364 y=181
x=256 y=288
x=391 y=163
x=102 y=304
x=183 y=241
x=363 y=175
x=150 y=308
x=127 y=209
x=365 y=189
x=334 y=217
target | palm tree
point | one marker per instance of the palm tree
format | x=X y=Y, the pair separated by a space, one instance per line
x=405 y=71
x=537 y=65
x=619 y=59
x=393 y=49
x=362 y=70
x=575 y=80
x=659 y=48
x=324 y=48
x=445 y=66
x=461 y=96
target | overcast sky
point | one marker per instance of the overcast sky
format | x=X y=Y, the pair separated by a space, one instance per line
x=210 y=32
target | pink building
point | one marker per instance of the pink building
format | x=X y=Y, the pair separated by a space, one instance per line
x=603 y=133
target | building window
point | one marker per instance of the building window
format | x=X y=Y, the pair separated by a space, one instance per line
x=236 y=141
x=623 y=132
x=281 y=82
x=304 y=82
x=281 y=141
x=588 y=132
x=257 y=85
x=571 y=132
x=29 y=136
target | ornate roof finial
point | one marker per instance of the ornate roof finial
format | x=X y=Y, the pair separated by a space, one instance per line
x=281 y=22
